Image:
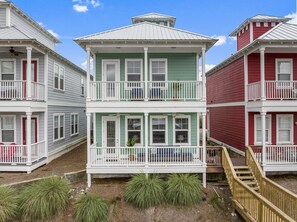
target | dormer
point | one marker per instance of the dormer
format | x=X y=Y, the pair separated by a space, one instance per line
x=160 y=19
x=252 y=28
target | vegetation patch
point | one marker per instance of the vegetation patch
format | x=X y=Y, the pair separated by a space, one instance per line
x=8 y=204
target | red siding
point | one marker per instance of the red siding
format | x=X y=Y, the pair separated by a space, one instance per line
x=243 y=39
x=227 y=84
x=258 y=31
x=227 y=125
x=273 y=127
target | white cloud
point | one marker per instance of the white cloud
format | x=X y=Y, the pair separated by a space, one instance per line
x=53 y=33
x=221 y=38
x=84 y=65
x=41 y=24
x=293 y=18
x=95 y=4
x=207 y=68
x=80 y=8
x=232 y=38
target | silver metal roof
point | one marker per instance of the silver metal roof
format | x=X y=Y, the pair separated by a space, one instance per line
x=153 y=16
x=284 y=31
x=12 y=33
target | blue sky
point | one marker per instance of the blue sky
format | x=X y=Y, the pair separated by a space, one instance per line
x=74 y=18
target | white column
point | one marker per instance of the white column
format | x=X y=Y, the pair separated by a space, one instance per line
x=204 y=145
x=203 y=75
x=8 y=15
x=198 y=129
x=146 y=137
x=246 y=114
x=263 y=123
x=88 y=73
x=94 y=67
x=89 y=146
x=46 y=59
x=197 y=71
x=28 y=137
x=94 y=129
x=262 y=71
x=28 y=77
x=146 y=73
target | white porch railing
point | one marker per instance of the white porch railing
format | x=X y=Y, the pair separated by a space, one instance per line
x=16 y=90
x=127 y=91
x=18 y=154
x=278 y=154
x=277 y=90
x=136 y=156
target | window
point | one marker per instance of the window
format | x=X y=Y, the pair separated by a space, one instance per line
x=133 y=71
x=74 y=124
x=158 y=130
x=284 y=72
x=242 y=30
x=7 y=133
x=258 y=129
x=272 y=24
x=182 y=128
x=158 y=70
x=82 y=85
x=258 y=24
x=59 y=126
x=59 y=77
x=134 y=126
x=265 y=24
x=284 y=129
x=7 y=70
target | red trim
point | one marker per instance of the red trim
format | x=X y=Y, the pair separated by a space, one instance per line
x=24 y=130
x=25 y=70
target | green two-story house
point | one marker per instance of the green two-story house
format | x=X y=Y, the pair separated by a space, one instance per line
x=147 y=90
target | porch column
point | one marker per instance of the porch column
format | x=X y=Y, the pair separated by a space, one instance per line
x=94 y=67
x=88 y=73
x=198 y=129
x=94 y=129
x=204 y=145
x=197 y=70
x=146 y=137
x=203 y=75
x=146 y=73
x=262 y=71
x=28 y=138
x=28 y=72
x=89 y=145
x=263 y=121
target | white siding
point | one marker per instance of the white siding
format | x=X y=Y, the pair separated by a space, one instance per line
x=2 y=17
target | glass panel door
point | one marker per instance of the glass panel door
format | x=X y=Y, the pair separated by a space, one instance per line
x=110 y=75
x=110 y=138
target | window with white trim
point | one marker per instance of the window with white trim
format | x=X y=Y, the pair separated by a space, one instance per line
x=133 y=71
x=272 y=24
x=134 y=127
x=284 y=129
x=158 y=70
x=59 y=77
x=82 y=86
x=7 y=129
x=59 y=126
x=73 y=124
x=265 y=24
x=258 y=24
x=7 y=69
x=258 y=129
x=182 y=130
x=284 y=72
x=158 y=130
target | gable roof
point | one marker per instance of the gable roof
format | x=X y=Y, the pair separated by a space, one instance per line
x=12 y=33
x=259 y=18
x=153 y=17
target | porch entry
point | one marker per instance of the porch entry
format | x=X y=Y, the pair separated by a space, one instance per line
x=33 y=74
x=110 y=75
x=111 y=136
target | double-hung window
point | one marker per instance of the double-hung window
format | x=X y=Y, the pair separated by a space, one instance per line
x=134 y=72
x=284 y=127
x=74 y=124
x=82 y=86
x=7 y=69
x=182 y=130
x=258 y=129
x=158 y=130
x=59 y=126
x=284 y=72
x=134 y=126
x=7 y=134
x=158 y=71
x=59 y=77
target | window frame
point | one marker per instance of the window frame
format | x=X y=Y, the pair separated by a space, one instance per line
x=188 y=130
x=14 y=67
x=60 y=67
x=82 y=86
x=141 y=128
x=291 y=130
x=265 y=24
x=258 y=24
x=268 y=116
x=14 y=125
x=273 y=24
x=59 y=126
x=77 y=118
x=166 y=129
x=166 y=68
x=126 y=71
x=276 y=71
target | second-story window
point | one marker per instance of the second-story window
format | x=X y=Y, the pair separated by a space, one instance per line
x=133 y=71
x=284 y=72
x=59 y=77
x=7 y=70
x=158 y=70
x=82 y=85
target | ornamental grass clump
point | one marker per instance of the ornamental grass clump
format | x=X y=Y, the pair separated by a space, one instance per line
x=89 y=208
x=143 y=192
x=8 y=204
x=43 y=199
x=183 y=190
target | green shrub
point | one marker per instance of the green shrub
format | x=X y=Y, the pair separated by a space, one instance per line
x=43 y=199
x=89 y=208
x=183 y=190
x=142 y=192
x=216 y=201
x=8 y=204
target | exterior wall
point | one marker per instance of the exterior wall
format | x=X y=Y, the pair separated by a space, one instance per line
x=227 y=84
x=273 y=127
x=258 y=31
x=227 y=125
x=2 y=17
x=243 y=39
x=30 y=30
x=72 y=91
x=181 y=66
x=52 y=146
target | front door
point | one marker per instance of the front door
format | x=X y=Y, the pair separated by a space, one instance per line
x=33 y=74
x=110 y=136
x=110 y=78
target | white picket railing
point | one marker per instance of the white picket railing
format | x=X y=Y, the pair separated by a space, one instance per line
x=133 y=91
x=38 y=91
x=136 y=156
x=254 y=91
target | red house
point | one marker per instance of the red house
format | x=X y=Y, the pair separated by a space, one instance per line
x=252 y=95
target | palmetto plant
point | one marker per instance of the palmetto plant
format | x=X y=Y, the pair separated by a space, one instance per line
x=8 y=204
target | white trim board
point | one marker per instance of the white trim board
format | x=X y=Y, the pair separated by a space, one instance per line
x=226 y=104
x=227 y=146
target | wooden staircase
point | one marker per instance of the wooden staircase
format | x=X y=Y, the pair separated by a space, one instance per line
x=245 y=174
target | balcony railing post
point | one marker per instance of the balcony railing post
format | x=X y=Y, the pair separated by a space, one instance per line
x=28 y=137
x=146 y=138
x=146 y=74
x=262 y=65
x=28 y=72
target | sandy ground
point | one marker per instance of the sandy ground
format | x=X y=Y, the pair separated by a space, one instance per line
x=287 y=181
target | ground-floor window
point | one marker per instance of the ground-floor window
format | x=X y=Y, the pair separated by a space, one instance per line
x=258 y=129
x=134 y=128
x=284 y=129
x=59 y=126
x=7 y=130
x=158 y=130
x=74 y=124
x=181 y=130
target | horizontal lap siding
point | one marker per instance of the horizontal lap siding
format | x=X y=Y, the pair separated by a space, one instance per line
x=227 y=126
x=227 y=84
x=243 y=39
x=2 y=17
x=254 y=67
x=258 y=31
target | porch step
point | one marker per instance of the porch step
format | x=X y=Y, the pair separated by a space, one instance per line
x=245 y=174
x=245 y=177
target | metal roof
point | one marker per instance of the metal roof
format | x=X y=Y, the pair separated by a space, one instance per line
x=259 y=18
x=153 y=16
x=12 y=33
x=284 y=31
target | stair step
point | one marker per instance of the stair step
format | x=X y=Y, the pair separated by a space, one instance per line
x=246 y=177
x=241 y=167
x=243 y=172
x=253 y=182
